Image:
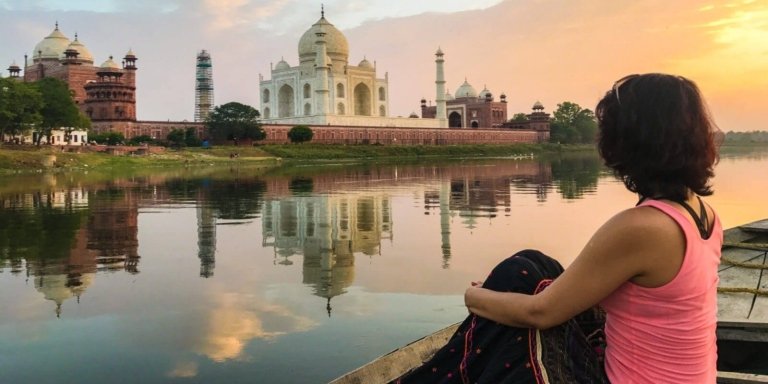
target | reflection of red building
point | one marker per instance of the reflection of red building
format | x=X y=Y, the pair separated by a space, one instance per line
x=113 y=229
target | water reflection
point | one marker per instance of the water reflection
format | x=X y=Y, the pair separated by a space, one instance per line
x=63 y=237
x=230 y=274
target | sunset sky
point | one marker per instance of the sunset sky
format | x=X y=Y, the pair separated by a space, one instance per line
x=547 y=50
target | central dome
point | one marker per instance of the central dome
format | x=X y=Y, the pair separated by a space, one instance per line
x=335 y=42
x=52 y=47
x=465 y=90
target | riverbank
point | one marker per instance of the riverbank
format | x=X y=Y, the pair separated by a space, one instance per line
x=19 y=159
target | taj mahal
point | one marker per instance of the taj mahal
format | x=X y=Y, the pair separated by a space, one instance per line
x=324 y=89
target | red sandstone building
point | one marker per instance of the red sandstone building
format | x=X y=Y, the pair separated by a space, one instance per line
x=105 y=93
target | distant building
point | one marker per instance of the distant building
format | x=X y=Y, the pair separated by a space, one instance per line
x=105 y=93
x=538 y=121
x=467 y=109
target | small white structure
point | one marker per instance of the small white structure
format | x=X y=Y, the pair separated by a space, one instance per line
x=77 y=137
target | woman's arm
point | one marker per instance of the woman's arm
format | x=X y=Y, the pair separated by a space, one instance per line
x=640 y=244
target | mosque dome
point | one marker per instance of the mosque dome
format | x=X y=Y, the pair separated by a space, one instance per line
x=109 y=65
x=365 y=64
x=486 y=94
x=83 y=52
x=448 y=96
x=282 y=65
x=131 y=55
x=336 y=43
x=52 y=46
x=537 y=105
x=465 y=90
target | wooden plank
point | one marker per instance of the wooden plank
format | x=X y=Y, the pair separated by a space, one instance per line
x=394 y=364
x=742 y=334
x=757 y=226
x=740 y=378
x=738 y=307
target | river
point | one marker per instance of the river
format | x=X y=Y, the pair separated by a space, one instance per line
x=288 y=275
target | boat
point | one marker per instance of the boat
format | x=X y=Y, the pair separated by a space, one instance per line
x=742 y=329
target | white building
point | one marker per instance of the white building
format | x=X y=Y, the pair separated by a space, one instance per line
x=325 y=90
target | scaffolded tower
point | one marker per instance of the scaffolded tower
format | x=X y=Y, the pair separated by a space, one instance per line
x=203 y=86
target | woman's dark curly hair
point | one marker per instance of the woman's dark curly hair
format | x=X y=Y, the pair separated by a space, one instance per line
x=656 y=134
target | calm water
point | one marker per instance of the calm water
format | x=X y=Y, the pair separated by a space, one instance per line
x=291 y=275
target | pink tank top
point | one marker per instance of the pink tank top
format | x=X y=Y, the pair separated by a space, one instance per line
x=667 y=334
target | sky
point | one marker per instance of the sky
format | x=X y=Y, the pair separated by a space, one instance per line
x=532 y=50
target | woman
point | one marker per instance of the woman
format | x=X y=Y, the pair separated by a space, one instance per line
x=652 y=268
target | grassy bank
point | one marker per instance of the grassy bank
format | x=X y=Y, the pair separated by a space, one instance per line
x=19 y=159
x=308 y=151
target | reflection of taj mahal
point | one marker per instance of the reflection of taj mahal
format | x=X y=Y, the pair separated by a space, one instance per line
x=328 y=231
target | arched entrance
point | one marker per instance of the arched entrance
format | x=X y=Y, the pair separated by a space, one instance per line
x=475 y=124
x=362 y=100
x=454 y=120
x=285 y=106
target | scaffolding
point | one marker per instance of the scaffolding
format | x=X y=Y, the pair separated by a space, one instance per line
x=203 y=86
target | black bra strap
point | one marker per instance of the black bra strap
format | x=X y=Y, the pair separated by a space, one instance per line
x=702 y=222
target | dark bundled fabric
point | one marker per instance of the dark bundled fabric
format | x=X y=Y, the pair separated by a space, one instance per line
x=483 y=351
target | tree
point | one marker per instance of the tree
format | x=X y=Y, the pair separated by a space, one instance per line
x=59 y=109
x=573 y=124
x=300 y=134
x=142 y=139
x=519 y=118
x=109 y=138
x=234 y=121
x=191 y=139
x=20 y=105
x=176 y=137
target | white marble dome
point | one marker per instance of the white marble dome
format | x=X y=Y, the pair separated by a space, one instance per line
x=282 y=65
x=109 y=64
x=83 y=52
x=465 y=90
x=365 y=64
x=52 y=46
x=538 y=105
x=336 y=43
x=485 y=93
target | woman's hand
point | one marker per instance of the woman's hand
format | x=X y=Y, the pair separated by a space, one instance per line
x=469 y=294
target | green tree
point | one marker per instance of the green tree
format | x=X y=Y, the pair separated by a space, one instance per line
x=300 y=134
x=191 y=139
x=59 y=109
x=176 y=137
x=20 y=105
x=234 y=121
x=573 y=124
x=142 y=139
x=108 y=138
x=519 y=118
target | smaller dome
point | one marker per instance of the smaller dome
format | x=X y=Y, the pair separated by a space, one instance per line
x=109 y=64
x=465 y=90
x=131 y=55
x=13 y=66
x=282 y=65
x=83 y=52
x=538 y=105
x=448 y=96
x=365 y=64
x=413 y=115
x=486 y=94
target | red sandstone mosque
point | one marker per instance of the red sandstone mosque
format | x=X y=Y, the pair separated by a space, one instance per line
x=341 y=103
x=106 y=93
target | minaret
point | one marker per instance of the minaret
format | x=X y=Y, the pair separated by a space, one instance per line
x=322 y=68
x=203 y=86
x=440 y=89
